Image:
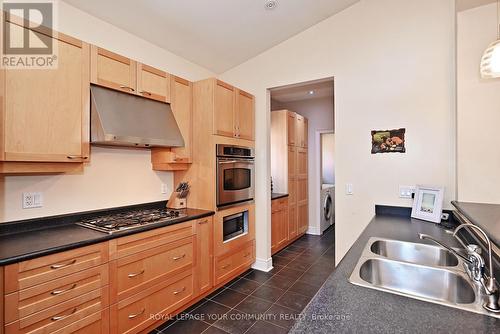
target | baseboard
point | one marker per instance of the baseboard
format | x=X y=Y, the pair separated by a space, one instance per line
x=315 y=230
x=263 y=265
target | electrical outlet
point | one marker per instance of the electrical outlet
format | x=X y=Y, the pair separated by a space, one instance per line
x=406 y=191
x=32 y=200
x=349 y=189
x=164 y=188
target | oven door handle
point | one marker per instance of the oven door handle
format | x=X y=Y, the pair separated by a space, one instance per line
x=224 y=162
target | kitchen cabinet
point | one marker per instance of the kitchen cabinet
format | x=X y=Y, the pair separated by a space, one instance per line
x=245 y=122
x=112 y=70
x=153 y=83
x=233 y=112
x=178 y=158
x=228 y=265
x=115 y=71
x=289 y=166
x=279 y=224
x=45 y=113
x=204 y=255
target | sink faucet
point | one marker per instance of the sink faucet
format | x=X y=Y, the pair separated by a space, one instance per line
x=476 y=263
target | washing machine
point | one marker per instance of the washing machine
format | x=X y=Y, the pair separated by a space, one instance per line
x=327 y=208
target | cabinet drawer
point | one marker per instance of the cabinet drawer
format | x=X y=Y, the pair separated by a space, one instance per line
x=135 y=243
x=133 y=273
x=37 y=298
x=29 y=273
x=97 y=323
x=226 y=266
x=61 y=315
x=140 y=311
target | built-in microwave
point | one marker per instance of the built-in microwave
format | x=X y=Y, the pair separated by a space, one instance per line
x=234 y=226
x=235 y=174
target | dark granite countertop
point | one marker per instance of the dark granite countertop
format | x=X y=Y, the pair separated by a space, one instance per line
x=62 y=235
x=486 y=216
x=277 y=196
x=341 y=307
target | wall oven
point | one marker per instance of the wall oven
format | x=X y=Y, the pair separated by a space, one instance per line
x=235 y=174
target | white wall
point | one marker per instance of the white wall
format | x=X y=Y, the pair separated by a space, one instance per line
x=478 y=109
x=115 y=176
x=393 y=63
x=319 y=113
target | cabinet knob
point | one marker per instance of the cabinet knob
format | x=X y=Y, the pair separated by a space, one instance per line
x=132 y=275
x=179 y=291
x=62 y=265
x=58 y=292
x=135 y=315
x=177 y=258
x=60 y=317
x=74 y=157
x=144 y=92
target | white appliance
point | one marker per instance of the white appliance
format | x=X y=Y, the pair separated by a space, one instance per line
x=327 y=206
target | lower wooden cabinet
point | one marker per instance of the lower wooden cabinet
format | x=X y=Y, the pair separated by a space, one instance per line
x=140 y=311
x=126 y=285
x=279 y=224
x=229 y=265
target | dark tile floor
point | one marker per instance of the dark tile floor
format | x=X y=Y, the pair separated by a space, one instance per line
x=260 y=302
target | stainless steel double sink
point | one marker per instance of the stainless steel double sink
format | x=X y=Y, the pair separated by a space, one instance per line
x=419 y=271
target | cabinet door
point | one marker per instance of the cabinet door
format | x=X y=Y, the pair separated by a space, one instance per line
x=291 y=125
x=153 y=83
x=275 y=225
x=46 y=115
x=182 y=107
x=283 y=236
x=292 y=220
x=299 y=131
x=303 y=217
x=301 y=161
x=204 y=254
x=224 y=122
x=245 y=115
x=111 y=70
x=305 y=132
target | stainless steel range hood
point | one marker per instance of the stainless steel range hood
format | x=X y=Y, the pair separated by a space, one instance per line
x=122 y=119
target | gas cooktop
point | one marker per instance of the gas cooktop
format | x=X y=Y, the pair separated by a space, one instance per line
x=130 y=219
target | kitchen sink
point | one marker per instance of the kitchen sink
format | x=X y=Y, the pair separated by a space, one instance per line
x=418 y=271
x=414 y=253
x=438 y=284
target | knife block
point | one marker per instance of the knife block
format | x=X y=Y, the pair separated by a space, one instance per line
x=175 y=202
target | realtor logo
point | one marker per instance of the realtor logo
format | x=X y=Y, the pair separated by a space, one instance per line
x=27 y=40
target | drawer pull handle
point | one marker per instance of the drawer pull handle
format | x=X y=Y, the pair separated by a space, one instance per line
x=132 y=275
x=145 y=93
x=60 y=317
x=246 y=255
x=203 y=222
x=73 y=157
x=177 y=258
x=62 y=265
x=58 y=292
x=135 y=315
x=179 y=291
x=127 y=87
x=226 y=266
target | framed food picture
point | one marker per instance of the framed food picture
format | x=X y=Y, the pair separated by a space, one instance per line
x=428 y=203
x=388 y=141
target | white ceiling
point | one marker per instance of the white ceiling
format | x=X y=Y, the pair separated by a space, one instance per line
x=468 y=4
x=216 y=34
x=299 y=92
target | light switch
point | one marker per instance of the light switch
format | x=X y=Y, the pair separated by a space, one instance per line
x=406 y=191
x=348 y=189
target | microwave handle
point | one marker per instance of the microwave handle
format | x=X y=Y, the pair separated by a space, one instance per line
x=235 y=162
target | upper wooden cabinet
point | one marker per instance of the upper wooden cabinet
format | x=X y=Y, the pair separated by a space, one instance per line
x=299 y=130
x=178 y=158
x=45 y=113
x=290 y=128
x=153 y=83
x=114 y=71
x=233 y=112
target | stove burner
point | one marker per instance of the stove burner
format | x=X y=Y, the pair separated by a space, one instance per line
x=130 y=219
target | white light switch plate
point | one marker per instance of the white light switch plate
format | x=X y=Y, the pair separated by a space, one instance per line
x=164 y=188
x=406 y=191
x=349 y=189
x=32 y=200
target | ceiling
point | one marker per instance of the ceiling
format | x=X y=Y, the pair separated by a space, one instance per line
x=216 y=34
x=468 y=4
x=299 y=92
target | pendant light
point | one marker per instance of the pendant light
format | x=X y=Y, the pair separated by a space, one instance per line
x=490 y=63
